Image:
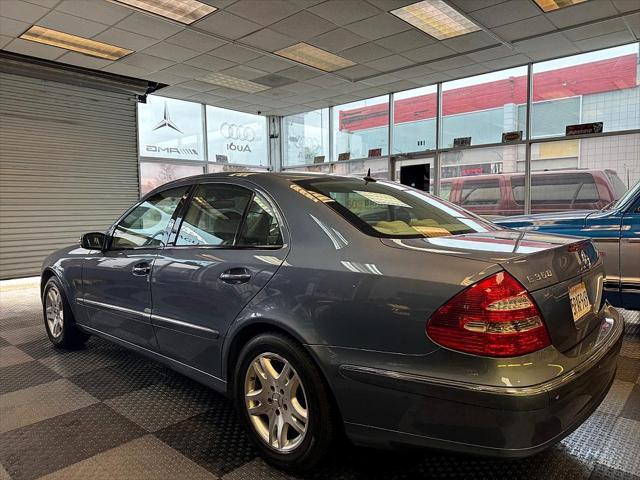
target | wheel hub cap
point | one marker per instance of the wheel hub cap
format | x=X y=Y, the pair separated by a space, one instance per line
x=54 y=311
x=276 y=402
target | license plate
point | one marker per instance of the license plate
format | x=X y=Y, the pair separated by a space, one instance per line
x=580 y=304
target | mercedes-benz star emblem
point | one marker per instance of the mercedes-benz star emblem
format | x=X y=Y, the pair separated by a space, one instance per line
x=166 y=121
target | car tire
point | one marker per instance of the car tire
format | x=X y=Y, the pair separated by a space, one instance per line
x=287 y=401
x=58 y=317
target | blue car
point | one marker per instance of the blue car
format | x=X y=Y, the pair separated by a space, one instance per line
x=615 y=230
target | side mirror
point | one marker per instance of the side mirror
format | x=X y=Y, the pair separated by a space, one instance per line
x=93 y=241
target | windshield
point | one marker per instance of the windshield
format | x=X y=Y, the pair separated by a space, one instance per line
x=390 y=210
x=627 y=198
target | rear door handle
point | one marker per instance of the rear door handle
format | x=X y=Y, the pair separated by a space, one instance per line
x=235 y=276
x=141 y=269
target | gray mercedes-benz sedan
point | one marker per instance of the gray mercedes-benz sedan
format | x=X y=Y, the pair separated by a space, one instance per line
x=325 y=305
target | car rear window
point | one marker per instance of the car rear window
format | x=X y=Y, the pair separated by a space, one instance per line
x=390 y=210
x=557 y=189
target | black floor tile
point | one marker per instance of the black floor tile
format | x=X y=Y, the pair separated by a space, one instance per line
x=52 y=444
x=24 y=375
x=214 y=439
x=4 y=343
x=631 y=408
x=116 y=380
x=41 y=348
x=628 y=369
x=602 y=472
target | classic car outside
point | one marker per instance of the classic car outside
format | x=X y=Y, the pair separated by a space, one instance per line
x=615 y=231
x=325 y=305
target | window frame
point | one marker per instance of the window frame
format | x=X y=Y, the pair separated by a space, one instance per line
x=168 y=228
x=171 y=243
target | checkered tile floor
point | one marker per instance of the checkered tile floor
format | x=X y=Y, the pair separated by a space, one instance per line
x=106 y=413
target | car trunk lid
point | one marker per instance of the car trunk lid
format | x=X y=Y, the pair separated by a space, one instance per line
x=556 y=270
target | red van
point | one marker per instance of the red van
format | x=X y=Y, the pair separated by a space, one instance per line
x=551 y=191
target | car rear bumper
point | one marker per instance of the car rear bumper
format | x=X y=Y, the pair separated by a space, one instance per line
x=478 y=419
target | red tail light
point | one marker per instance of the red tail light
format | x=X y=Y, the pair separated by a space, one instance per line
x=495 y=317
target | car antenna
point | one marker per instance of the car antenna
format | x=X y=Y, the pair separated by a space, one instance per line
x=369 y=178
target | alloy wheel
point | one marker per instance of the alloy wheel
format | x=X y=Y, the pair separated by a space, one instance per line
x=276 y=402
x=55 y=311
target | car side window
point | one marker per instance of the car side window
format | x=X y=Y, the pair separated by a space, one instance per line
x=145 y=225
x=261 y=226
x=481 y=193
x=214 y=215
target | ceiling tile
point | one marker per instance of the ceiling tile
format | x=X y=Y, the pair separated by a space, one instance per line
x=342 y=12
x=227 y=25
x=392 y=62
x=625 y=5
x=388 y=5
x=384 y=79
x=473 y=5
x=45 y=3
x=96 y=10
x=450 y=63
x=302 y=88
x=164 y=77
x=430 y=52
x=267 y=39
x=581 y=13
x=208 y=98
x=303 y=26
x=70 y=24
x=552 y=45
x=365 y=53
x=379 y=26
x=213 y=64
x=85 y=61
x=299 y=73
x=357 y=72
x=235 y=53
x=119 y=68
x=524 y=28
x=149 y=26
x=269 y=64
x=23 y=11
x=171 y=52
x=337 y=40
x=227 y=92
x=470 y=41
x=508 y=62
x=242 y=71
x=146 y=62
x=502 y=14
x=13 y=28
x=492 y=53
x=186 y=71
x=197 y=85
x=409 y=40
x=198 y=42
x=595 y=29
x=175 y=92
x=125 y=39
x=468 y=71
x=327 y=81
x=4 y=40
x=264 y=13
x=34 y=49
x=399 y=86
x=610 y=40
x=413 y=72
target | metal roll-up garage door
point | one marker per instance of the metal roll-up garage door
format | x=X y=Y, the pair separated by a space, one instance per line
x=68 y=165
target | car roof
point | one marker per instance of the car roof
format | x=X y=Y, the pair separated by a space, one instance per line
x=491 y=176
x=253 y=175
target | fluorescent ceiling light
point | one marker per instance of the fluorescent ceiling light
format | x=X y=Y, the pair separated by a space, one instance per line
x=314 y=57
x=233 y=82
x=551 y=5
x=183 y=11
x=436 y=18
x=75 y=43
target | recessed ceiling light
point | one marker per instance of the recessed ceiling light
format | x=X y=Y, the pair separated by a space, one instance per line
x=233 y=82
x=551 y=5
x=314 y=57
x=75 y=43
x=436 y=18
x=183 y=11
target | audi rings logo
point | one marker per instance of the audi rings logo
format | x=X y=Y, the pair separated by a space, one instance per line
x=231 y=131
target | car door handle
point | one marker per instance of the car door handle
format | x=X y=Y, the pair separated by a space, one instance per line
x=141 y=269
x=235 y=276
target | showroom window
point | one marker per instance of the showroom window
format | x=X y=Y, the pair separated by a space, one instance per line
x=361 y=129
x=170 y=128
x=236 y=137
x=414 y=120
x=598 y=86
x=483 y=107
x=306 y=138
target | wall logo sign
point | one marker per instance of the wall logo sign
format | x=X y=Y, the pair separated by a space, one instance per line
x=166 y=121
x=172 y=150
x=240 y=133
